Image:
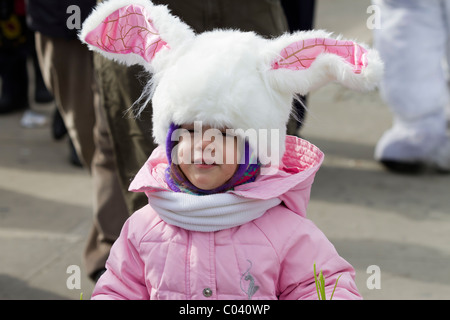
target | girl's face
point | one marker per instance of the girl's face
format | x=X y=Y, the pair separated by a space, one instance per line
x=207 y=156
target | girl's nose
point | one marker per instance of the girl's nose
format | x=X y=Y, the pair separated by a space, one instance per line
x=204 y=144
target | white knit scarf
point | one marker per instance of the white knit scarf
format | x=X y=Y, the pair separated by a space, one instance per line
x=210 y=212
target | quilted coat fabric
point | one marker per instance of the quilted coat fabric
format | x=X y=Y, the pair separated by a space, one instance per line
x=271 y=257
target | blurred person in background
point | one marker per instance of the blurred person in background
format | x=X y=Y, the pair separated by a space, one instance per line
x=413 y=42
x=67 y=68
x=16 y=46
x=300 y=17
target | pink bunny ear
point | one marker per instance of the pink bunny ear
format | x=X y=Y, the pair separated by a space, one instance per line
x=127 y=30
x=133 y=31
x=300 y=55
x=308 y=60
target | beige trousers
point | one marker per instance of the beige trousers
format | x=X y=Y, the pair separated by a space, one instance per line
x=67 y=69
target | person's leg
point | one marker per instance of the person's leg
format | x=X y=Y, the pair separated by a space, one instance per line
x=110 y=210
x=66 y=67
x=412 y=43
x=131 y=138
x=41 y=93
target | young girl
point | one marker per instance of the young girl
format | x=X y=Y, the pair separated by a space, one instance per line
x=227 y=189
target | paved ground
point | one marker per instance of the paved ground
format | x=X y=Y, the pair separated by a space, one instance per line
x=398 y=223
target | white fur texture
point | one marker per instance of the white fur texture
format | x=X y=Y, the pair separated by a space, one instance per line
x=221 y=81
x=224 y=77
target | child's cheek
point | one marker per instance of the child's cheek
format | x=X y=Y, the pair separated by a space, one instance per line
x=231 y=154
x=183 y=152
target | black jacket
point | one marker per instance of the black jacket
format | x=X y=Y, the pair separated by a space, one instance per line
x=50 y=17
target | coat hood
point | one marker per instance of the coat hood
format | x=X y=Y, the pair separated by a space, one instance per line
x=291 y=182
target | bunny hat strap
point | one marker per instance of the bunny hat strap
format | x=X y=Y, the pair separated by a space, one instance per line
x=225 y=78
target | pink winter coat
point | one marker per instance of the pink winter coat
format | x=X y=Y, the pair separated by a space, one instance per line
x=271 y=257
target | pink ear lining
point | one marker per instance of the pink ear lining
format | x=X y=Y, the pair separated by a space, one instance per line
x=127 y=30
x=300 y=55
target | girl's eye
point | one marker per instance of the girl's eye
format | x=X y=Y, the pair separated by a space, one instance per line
x=228 y=134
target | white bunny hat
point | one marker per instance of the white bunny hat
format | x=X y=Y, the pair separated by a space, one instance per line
x=224 y=78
